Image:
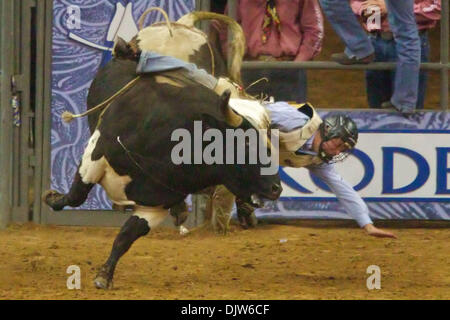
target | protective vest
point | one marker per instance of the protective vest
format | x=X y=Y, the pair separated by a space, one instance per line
x=291 y=141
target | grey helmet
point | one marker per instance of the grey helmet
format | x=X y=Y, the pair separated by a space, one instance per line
x=338 y=126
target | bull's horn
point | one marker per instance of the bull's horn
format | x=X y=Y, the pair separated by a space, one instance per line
x=231 y=117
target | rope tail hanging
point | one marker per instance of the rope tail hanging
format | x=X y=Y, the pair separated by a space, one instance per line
x=144 y=15
x=68 y=116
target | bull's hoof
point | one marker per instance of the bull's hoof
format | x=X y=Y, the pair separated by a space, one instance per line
x=53 y=199
x=103 y=283
x=247 y=220
x=103 y=280
x=184 y=231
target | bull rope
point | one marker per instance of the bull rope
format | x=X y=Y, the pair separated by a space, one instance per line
x=151 y=176
x=68 y=116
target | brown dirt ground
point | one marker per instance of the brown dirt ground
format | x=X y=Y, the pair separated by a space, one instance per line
x=318 y=261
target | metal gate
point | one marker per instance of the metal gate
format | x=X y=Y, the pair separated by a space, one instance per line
x=23 y=28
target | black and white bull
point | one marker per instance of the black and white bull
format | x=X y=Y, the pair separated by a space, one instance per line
x=186 y=43
x=129 y=154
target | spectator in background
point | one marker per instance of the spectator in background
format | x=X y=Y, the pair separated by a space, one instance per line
x=218 y=6
x=280 y=30
x=359 y=49
x=380 y=84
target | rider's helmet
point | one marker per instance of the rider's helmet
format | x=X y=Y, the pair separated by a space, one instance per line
x=338 y=126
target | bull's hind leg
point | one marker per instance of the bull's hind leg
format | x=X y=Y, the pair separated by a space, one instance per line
x=90 y=171
x=138 y=225
x=75 y=198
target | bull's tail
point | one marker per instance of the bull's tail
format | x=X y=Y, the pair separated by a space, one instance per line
x=236 y=47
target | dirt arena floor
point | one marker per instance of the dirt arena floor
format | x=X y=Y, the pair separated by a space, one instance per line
x=312 y=261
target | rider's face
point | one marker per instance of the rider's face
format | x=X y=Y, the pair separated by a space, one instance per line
x=335 y=146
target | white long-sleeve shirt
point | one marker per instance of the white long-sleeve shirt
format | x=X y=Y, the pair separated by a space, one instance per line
x=286 y=118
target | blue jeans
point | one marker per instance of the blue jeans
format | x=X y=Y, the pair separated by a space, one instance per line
x=403 y=24
x=380 y=84
x=283 y=85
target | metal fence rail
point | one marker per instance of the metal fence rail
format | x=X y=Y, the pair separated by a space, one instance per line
x=336 y=66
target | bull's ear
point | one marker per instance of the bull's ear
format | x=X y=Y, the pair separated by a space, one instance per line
x=231 y=117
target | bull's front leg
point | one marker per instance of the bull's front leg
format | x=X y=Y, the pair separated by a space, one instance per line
x=138 y=225
x=179 y=213
x=246 y=214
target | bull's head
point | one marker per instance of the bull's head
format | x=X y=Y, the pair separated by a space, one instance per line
x=247 y=143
